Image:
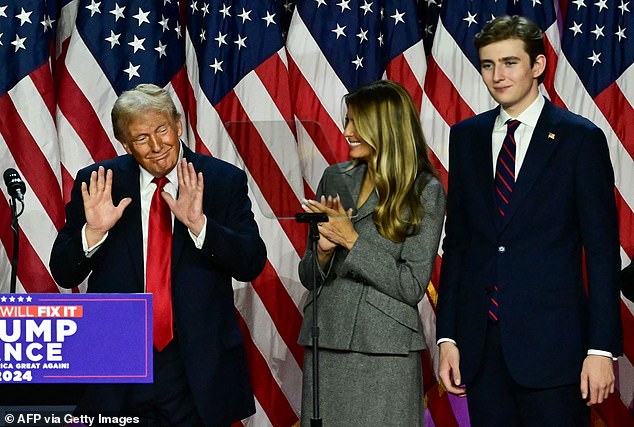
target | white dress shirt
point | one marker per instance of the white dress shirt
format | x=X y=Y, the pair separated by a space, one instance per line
x=523 y=133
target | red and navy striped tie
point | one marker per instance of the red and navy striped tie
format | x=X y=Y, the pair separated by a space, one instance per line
x=504 y=182
x=505 y=170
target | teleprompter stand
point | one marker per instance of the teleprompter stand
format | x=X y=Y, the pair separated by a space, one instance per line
x=313 y=219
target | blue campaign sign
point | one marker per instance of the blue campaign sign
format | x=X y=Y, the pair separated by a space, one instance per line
x=75 y=338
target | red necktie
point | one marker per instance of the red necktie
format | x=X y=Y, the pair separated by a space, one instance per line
x=159 y=262
x=504 y=183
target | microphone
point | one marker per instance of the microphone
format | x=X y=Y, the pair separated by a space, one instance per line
x=14 y=184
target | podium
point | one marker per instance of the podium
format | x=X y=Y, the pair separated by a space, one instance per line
x=53 y=345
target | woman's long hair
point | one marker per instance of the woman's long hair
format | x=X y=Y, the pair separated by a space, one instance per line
x=385 y=118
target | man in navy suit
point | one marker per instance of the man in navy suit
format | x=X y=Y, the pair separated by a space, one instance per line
x=200 y=372
x=531 y=190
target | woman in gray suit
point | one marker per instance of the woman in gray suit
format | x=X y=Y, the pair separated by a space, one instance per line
x=375 y=257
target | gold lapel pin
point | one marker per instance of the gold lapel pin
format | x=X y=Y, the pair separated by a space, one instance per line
x=551 y=135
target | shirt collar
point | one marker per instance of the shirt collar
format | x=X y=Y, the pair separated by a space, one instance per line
x=529 y=117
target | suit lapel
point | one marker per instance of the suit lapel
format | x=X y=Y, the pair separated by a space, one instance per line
x=127 y=178
x=482 y=155
x=353 y=179
x=542 y=146
x=180 y=231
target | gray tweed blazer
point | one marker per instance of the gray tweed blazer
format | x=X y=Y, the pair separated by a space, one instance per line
x=368 y=296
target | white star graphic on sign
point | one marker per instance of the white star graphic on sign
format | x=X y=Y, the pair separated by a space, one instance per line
x=623 y=7
x=362 y=35
x=12 y=299
x=269 y=18
x=621 y=33
x=3 y=299
x=205 y=10
x=47 y=23
x=367 y=7
x=163 y=23
x=93 y=7
x=471 y=19
x=132 y=71
x=137 y=43
x=221 y=39
x=20 y=298
x=579 y=3
x=595 y=58
x=217 y=66
x=601 y=5
x=245 y=15
x=343 y=4
x=142 y=17
x=358 y=62
x=202 y=35
x=3 y=11
x=320 y=2
x=576 y=28
x=398 y=17
x=118 y=12
x=113 y=39
x=339 y=31
x=225 y=10
x=194 y=6
x=18 y=43
x=241 y=42
x=598 y=31
x=24 y=16
x=161 y=49
x=28 y=299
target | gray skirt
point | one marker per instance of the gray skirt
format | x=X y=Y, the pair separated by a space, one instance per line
x=359 y=389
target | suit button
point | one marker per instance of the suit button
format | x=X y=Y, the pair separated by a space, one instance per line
x=501 y=249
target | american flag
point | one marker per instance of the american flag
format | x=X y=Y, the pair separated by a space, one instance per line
x=28 y=141
x=273 y=107
x=240 y=110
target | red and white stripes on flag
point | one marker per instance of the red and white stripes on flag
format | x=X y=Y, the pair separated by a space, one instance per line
x=28 y=143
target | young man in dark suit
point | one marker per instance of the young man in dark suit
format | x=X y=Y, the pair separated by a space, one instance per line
x=165 y=220
x=531 y=188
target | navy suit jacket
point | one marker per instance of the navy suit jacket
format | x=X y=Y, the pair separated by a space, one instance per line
x=563 y=205
x=202 y=297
